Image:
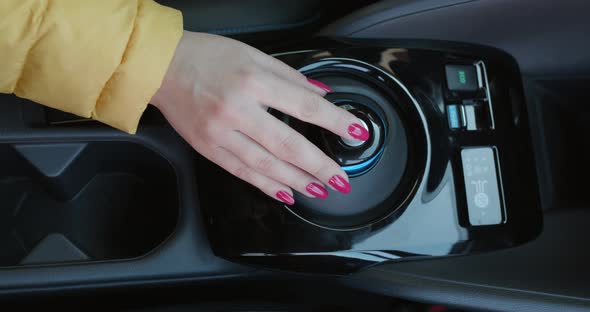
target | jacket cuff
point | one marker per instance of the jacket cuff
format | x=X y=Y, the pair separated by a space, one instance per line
x=153 y=41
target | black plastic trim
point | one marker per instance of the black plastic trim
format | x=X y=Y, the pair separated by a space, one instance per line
x=185 y=254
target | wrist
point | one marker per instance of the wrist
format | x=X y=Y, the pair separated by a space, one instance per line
x=159 y=98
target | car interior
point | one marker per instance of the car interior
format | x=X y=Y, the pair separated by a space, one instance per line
x=467 y=197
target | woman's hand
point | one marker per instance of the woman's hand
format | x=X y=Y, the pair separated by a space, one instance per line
x=216 y=94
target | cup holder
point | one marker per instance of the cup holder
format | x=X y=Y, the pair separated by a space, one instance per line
x=83 y=201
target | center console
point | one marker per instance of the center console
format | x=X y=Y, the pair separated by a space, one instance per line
x=448 y=170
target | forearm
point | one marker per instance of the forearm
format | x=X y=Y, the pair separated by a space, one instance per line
x=94 y=58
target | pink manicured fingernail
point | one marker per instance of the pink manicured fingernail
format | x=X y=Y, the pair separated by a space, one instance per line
x=285 y=198
x=317 y=190
x=358 y=132
x=340 y=184
x=320 y=85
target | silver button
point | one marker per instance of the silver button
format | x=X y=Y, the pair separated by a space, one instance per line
x=353 y=142
x=470 y=118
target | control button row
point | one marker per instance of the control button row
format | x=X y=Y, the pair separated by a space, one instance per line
x=472 y=108
x=469 y=116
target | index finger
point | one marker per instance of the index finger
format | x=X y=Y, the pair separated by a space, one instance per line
x=310 y=107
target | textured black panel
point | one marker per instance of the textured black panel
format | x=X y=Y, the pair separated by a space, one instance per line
x=549 y=274
x=113 y=200
x=231 y=17
x=547 y=38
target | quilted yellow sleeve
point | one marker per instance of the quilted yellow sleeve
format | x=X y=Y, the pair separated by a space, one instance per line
x=101 y=59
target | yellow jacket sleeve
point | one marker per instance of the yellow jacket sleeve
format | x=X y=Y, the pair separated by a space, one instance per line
x=101 y=59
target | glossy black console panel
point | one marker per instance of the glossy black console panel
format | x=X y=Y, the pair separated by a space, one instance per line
x=385 y=171
x=246 y=226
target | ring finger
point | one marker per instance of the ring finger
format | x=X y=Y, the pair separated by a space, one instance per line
x=265 y=163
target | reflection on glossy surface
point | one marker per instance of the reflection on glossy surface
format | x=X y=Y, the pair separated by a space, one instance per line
x=246 y=226
x=393 y=167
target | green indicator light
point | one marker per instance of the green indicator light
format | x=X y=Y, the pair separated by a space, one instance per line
x=462 y=78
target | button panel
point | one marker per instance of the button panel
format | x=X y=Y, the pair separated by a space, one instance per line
x=462 y=78
x=483 y=197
